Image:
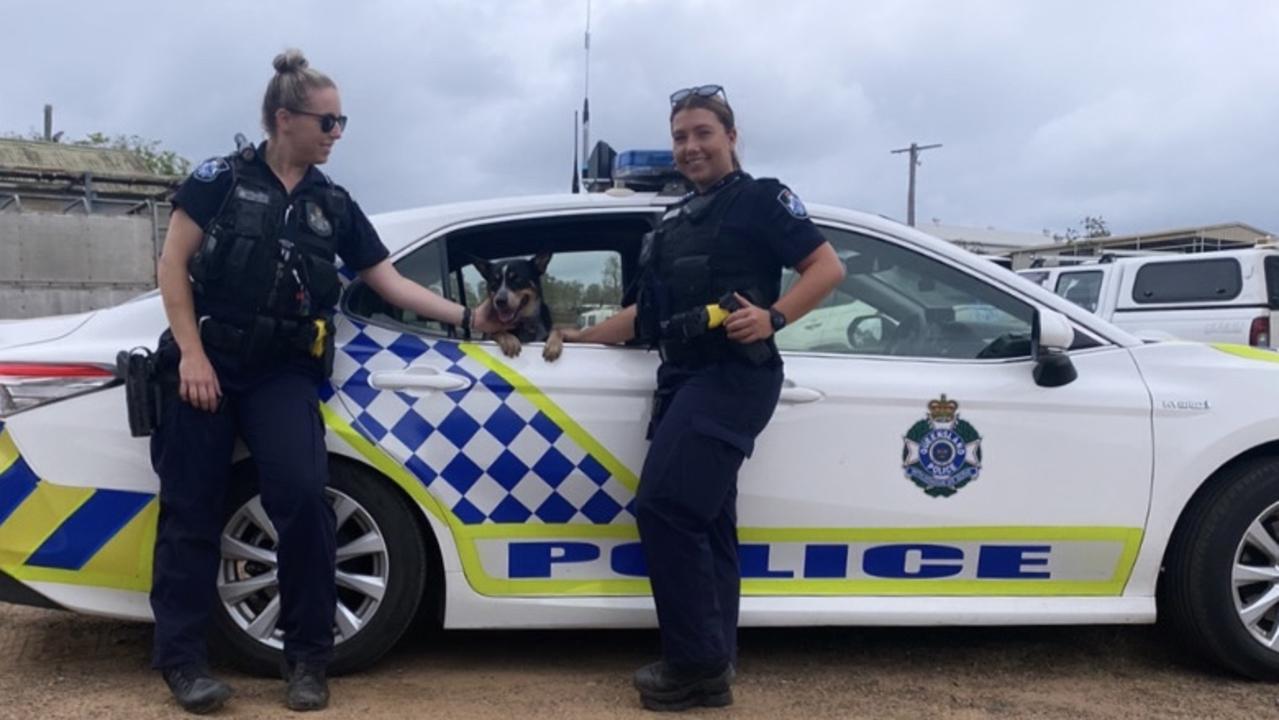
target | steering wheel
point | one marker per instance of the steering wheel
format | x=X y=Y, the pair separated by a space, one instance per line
x=907 y=337
x=955 y=340
x=940 y=339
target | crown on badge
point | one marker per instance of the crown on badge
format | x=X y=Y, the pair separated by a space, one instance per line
x=942 y=410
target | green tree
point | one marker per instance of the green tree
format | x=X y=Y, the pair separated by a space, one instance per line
x=1095 y=227
x=1091 y=227
x=564 y=297
x=613 y=277
x=158 y=161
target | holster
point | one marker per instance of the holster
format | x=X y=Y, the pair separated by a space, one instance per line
x=143 y=391
x=685 y=339
x=662 y=397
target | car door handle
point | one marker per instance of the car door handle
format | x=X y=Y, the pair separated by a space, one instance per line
x=420 y=378
x=794 y=394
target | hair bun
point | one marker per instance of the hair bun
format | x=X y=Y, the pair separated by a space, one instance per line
x=289 y=61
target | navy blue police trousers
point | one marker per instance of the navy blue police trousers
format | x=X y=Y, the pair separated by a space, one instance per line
x=276 y=413
x=704 y=426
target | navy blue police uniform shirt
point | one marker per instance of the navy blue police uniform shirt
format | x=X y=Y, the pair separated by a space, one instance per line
x=768 y=221
x=201 y=196
x=773 y=214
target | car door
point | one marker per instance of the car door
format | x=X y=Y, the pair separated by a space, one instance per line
x=918 y=455
x=522 y=460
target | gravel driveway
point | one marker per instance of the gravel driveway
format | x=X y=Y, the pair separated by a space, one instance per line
x=59 y=665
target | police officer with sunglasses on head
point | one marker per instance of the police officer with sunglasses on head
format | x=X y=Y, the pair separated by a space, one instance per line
x=710 y=301
x=249 y=281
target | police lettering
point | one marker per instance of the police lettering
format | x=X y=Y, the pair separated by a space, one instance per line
x=795 y=561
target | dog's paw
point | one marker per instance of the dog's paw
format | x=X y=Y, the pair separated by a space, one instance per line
x=554 y=346
x=509 y=343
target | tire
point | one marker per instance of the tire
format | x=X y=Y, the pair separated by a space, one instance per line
x=1230 y=530
x=370 y=509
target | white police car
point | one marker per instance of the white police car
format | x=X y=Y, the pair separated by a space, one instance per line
x=968 y=449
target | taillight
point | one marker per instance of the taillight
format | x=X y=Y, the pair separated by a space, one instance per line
x=27 y=385
x=1259 y=332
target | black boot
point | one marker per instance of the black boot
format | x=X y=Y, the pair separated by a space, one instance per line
x=195 y=690
x=665 y=690
x=308 y=690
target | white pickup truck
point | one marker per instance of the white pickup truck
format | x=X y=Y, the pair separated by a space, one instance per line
x=1226 y=296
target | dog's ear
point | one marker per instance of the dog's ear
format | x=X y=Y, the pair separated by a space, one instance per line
x=483 y=266
x=540 y=261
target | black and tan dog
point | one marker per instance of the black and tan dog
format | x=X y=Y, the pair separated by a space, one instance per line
x=515 y=290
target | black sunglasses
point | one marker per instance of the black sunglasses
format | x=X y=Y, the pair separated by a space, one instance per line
x=700 y=91
x=328 y=121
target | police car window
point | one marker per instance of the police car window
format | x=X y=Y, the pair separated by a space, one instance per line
x=593 y=258
x=1188 y=281
x=1081 y=288
x=580 y=288
x=424 y=266
x=897 y=302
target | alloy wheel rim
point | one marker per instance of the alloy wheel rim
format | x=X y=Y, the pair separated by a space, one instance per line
x=1255 y=578
x=249 y=588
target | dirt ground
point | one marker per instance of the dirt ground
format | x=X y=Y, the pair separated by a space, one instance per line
x=58 y=665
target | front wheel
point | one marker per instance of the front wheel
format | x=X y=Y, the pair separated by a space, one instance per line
x=381 y=574
x=1222 y=571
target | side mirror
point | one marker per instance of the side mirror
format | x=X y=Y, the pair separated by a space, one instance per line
x=1050 y=337
x=1052 y=331
x=866 y=331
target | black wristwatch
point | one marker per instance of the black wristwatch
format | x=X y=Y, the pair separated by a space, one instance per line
x=776 y=318
x=465 y=325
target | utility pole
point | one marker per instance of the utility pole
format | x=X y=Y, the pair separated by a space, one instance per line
x=914 y=151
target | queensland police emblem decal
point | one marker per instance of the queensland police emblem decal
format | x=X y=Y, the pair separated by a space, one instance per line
x=942 y=453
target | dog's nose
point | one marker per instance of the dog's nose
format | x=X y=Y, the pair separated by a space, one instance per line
x=502 y=300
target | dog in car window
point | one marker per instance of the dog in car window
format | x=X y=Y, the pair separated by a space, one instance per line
x=514 y=288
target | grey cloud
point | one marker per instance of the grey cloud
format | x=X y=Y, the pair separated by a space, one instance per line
x=1150 y=113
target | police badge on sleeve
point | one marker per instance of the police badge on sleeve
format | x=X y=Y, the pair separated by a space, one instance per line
x=792 y=203
x=942 y=453
x=210 y=169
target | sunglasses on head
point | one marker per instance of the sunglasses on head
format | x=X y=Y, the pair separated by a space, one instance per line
x=700 y=91
x=328 y=121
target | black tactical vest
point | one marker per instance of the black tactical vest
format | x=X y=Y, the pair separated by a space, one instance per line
x=266 y=254
x=691 y=260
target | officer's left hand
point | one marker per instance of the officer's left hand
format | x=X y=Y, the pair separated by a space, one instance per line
x=748 y=323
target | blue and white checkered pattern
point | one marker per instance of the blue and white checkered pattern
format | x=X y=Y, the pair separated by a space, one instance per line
x=486 y=453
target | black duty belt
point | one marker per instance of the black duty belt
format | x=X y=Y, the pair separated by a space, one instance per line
x=692 y=353
x=266 y=337
x=705 y=351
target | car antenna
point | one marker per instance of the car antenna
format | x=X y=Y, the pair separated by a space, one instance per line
x=586 y=90
x=577 y=180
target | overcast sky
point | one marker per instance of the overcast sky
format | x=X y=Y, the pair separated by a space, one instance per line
x=1151 y=114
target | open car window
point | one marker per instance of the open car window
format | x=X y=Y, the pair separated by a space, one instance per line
x=593 y=261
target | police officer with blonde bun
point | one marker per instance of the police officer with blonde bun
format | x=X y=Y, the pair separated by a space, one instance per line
x=249 y=280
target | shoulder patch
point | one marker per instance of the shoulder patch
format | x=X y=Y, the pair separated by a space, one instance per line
x=210 y=169
x=792 y=203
